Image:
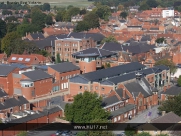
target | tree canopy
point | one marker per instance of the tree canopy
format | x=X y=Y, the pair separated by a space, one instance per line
x=143 y=134
x=129 y=131
x=123 y=15
x=160 y=40
x=109 y=39
x=2 y=28
x=179 y=81
x=167 y=63
x=172 y=104
x=46 y=7
x=85 y=108
x=103 y=12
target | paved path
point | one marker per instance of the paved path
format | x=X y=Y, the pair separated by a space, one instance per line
x=142 y=117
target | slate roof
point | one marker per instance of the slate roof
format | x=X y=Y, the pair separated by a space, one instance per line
x=123 y=110
x=12 y=102
x=167 y=118
x=113 y=71
x=120 y=93
x=5 y=70
x=3 y=93
x=36 y=75
x=146 y=38
x=79 y=79
x=134 y=47
x=64 y=67
x=139 y=86
x=110 y=100
x=95 y=36
x=100 y=52
x=174 y=90
x=37 y=35
x=17 y=65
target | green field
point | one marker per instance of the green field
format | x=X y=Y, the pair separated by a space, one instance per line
x=62 y=3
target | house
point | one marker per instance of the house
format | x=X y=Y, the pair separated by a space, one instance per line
x=170 y=92
x=11 y=105
x=170 y=121
x=77 y=18
x=169 y=12
x=32 y=84
x=133 y=8
x=6 y=78
x=68 y=26
x=34 y=36
x=30 y=59
x=90 y=8
x=62 y=72
x=103 y=55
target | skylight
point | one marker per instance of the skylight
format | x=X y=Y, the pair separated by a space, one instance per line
x=27 y=59
x=13 y=58
x=20 y=59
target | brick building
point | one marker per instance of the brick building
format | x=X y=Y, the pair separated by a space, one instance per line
x=32 y=84
x=62 y=72
x=6 y=78
x=29 y=60
x=124 y=77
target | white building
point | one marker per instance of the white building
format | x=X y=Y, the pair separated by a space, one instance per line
x=169 y=12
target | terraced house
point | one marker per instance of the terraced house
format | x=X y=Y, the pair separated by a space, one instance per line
x=139 y=83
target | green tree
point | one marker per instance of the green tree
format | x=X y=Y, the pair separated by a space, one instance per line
x=129 y=131
x=172 y=104
x=167 y=63
x=92 y=19
x=7 y=40
x=42 y=52
x=83 y=11
x=82 y=26
x=16 y=12
x=26 y=28
x=38 y=18
x=23 y=133
x=25 y=21
x=58 y=58
x=2 y=28
x=46 y=7
x=179 y=81
x=123 y=15
x=143 y=134
x=160 y=40
x=11 y=19
x=11 y=27
x=71 y=12
x=152 y=3
x=109 y=39
x=48 y=20
x=85 y=108
x=103 y=12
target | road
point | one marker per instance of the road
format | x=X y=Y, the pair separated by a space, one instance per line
x=40 y=133
x=142 y=117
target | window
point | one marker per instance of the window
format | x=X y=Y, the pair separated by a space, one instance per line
x=102 y=88
x=85 y=88
x=119 y=118
x=80 y=87
x=24 y=106
x=126 y=101
x=13 y=58
x=117 y=107
x=96 y=88
x=115 y=119
x=20 y=59
x=33 y=93
x=27 y=59
x=112 y=109
x=125 y=115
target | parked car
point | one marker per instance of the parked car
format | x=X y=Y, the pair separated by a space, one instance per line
x=58 y=133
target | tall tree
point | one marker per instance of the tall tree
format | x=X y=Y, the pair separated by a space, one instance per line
x=46 y=7
x=48 y=20
x=11 y=27
x=103 y=12
x=7 y=40
x=92 y=19
x=85 y=108
x=167 y=63
x=82 y=26
x=123 y=15
x=2 y=28
x=172 y=104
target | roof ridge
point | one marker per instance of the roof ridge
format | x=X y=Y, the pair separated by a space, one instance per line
x=99 y=52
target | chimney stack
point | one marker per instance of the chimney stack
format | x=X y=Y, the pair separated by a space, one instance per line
x=2 y=100
x=163 y=113
x=16 y=97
